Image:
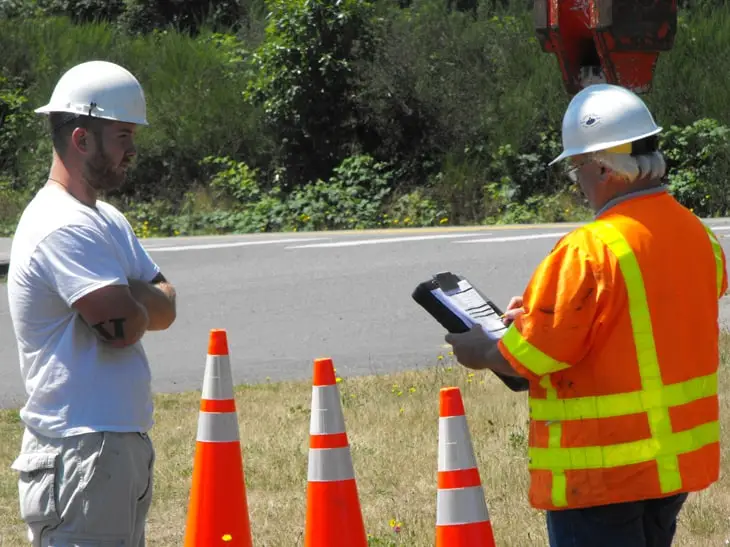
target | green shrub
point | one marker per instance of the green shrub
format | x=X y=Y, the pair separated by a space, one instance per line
x=188 y=16
x=698 y=156
x=303 y=81
x=353 y=198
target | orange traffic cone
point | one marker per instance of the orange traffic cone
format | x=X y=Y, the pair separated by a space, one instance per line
x=334 y=517
x=462 y=518
x=218 y=509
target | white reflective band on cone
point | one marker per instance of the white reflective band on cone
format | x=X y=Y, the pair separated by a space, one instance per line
x=330 y=464
x=326 y=415
x=455 y=448
x=461 y=506
x=218 y=427
x=218 y=382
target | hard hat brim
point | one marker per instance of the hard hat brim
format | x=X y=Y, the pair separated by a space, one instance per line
x=49 y=108
x=602 y=146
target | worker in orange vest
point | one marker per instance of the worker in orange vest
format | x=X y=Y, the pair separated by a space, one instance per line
x=617 y=332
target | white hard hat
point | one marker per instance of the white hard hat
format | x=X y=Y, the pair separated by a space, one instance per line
x=604 y=116
x=100 y=89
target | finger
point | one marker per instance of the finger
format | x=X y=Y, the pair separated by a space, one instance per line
x=514 y=313
x=510 y=316
x=515 y=302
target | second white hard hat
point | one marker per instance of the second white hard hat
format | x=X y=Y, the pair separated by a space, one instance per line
x=99 y=89
x=604 y=116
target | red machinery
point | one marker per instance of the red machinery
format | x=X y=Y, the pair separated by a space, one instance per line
x=616 y=41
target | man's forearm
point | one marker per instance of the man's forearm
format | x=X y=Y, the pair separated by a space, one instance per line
x=159 y=299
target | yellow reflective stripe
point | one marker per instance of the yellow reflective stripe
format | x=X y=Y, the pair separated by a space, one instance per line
x=638 y=305
x=531 y=358
x=555 y=433
x=623 y=404
x=666 y=447
x=717 y=250
x=651 y=380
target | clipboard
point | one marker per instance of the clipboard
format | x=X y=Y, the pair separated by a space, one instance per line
x=457 y=305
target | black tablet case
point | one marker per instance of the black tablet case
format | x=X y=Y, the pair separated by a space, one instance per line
x=452 y=323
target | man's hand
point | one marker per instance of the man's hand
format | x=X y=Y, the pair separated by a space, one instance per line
x=472 y=348
x=475 y=350
x=159 y=299
x=514 y=309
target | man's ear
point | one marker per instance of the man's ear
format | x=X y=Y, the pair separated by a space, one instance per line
x=605 y=173
x=80 y=139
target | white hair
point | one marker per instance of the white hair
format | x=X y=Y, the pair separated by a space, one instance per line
x=644 y=166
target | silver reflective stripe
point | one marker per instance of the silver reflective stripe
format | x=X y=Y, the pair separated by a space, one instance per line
x=217 y=383
x=326 y=411
x=218 y=427
x=461 y=506
x=455 y=448
x=330 y=464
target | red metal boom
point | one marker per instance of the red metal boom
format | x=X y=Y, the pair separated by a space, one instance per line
x=614 y=41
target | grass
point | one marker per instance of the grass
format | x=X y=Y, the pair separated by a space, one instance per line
x=392 y=422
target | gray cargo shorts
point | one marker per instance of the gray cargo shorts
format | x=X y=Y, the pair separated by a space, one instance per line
x=90 y=490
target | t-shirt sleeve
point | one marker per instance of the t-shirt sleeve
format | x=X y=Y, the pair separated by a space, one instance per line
x=147 y=267
x=143 y=267
x=77 y=260
x=560 y=304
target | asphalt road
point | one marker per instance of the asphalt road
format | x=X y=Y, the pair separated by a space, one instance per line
x=286 y=299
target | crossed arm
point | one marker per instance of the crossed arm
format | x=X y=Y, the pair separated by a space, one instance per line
x=121 y=314
x=158 y=297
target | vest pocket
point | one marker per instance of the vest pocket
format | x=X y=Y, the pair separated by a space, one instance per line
x=37 y=487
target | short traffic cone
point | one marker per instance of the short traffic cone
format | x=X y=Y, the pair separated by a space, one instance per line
x=218 y=509
x=462 y=517
x=334 y=517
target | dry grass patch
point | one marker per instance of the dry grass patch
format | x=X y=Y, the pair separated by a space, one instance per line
x=392 y=422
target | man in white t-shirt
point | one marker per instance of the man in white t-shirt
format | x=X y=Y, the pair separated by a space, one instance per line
x=82 y=293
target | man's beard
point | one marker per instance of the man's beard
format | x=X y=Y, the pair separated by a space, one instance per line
x=101 y=175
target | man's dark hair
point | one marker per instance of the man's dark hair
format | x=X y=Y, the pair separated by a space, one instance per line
x=62 y=124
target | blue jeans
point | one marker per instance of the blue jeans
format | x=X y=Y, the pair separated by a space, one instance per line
x=648 y=523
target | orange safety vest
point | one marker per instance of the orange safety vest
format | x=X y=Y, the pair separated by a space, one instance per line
x=620 y=342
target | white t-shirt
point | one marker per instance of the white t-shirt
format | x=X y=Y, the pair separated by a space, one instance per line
x=61 y=251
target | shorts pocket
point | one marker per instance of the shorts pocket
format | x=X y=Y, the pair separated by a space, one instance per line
x=64 y=539
x=147 y=493
x=37 y=486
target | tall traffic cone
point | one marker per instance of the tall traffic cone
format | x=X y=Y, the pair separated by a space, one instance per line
x=218 y=509
x=334 y=517
x=462 y=517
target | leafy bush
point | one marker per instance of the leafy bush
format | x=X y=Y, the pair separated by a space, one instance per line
x=418 y=207
x=352 y=199
x=80 y=11
x=303 y=81
x=698 y=156
x=15 y=117
x=145 y=16
x=135 y=16
x=237 y=190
